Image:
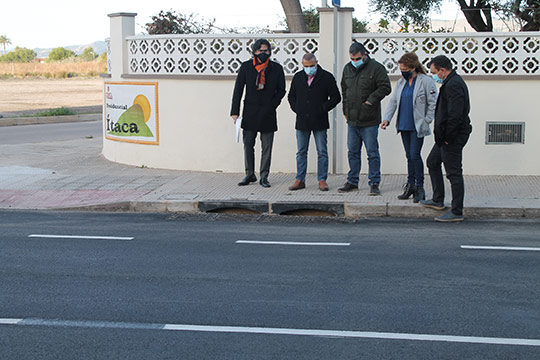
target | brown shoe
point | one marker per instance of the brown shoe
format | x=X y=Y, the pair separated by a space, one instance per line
x=323 y=186
x=297 y=185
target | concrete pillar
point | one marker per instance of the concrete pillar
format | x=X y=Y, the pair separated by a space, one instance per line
x=122 y=25
x=334 y=42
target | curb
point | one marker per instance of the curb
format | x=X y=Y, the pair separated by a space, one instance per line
x=48 y=119
x=347 y=210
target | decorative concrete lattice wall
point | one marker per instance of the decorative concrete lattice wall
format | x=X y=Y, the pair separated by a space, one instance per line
x=472 y=53
x=109 y=67
x=212 y=55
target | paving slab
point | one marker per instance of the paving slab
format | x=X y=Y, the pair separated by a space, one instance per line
x=74 y=175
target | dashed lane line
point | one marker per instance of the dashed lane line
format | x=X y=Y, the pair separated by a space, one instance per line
x=45 y=236
x=506 y=248
x=294 y=243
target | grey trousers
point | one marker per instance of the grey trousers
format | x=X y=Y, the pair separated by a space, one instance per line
x=267 y=140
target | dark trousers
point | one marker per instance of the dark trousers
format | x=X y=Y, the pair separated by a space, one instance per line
x=451 y=155
x=267 y=140
x=413 y=150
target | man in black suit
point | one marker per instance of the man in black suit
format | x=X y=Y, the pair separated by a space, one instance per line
x=313 y=94
x=264 y=82
x=452 y=130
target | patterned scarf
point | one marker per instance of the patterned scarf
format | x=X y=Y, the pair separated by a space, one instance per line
x=261 y=72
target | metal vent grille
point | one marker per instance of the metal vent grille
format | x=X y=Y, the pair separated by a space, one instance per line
x=505 y=133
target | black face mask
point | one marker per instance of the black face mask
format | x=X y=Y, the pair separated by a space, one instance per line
x=406 y=74
x=263 y=57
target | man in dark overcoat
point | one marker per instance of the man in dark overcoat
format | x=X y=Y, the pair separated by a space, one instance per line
x=313 y=94
x=264 y=82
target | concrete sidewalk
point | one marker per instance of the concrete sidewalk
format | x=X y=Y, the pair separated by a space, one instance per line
x=73 y=175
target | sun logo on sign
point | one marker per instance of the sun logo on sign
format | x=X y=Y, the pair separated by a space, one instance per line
x=133 y=121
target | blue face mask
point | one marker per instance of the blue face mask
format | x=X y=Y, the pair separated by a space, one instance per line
x=310 y=71
x=437 y=79
x=358 y=63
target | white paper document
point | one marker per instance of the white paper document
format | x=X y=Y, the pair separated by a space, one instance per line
x=238 y=128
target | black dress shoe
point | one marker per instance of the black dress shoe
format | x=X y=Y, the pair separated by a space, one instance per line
x=248 y=179
x=264 y=182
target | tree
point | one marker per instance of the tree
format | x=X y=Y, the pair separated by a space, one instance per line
x=60 y=53
x=294 y=15
x=359 y=26
x=4 y=41
x=525 y=13
x=88 y=54
x=172 y=23
x=19 y=55
x=416 y=12
x=311 y=19
x=406 y=11
x=478 y=13
x=473 y=13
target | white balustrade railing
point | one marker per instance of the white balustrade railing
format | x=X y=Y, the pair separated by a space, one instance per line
x=212 y=54
x=472 y=53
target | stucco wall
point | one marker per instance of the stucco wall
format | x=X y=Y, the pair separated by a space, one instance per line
x=196 y=132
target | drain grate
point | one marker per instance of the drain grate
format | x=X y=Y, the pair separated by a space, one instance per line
x=505 y=133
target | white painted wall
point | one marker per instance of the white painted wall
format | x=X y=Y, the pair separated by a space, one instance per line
x=196 y=132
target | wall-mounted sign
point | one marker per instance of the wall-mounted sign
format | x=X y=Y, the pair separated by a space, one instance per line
x=131 y=112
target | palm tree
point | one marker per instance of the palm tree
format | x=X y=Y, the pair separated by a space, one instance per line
x=4 y=41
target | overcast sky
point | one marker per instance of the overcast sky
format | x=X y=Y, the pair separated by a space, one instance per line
x=54 y=23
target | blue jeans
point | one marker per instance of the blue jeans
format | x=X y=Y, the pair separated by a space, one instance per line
x=302 y=140
x=413 y=150
x=368 y=135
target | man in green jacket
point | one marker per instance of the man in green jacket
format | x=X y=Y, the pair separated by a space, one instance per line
x=364 y=84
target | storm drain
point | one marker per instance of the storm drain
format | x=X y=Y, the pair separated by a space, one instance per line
x=308 y=209
x=308 y=212
x=234 y=210
x=234 y=207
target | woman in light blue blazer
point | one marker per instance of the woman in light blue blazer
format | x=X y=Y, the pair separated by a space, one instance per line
x=414 y=98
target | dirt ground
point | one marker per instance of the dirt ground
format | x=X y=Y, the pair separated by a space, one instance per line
x=22 y=95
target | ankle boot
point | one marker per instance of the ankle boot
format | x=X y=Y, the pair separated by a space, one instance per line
x=419 y=194
x=408 y=190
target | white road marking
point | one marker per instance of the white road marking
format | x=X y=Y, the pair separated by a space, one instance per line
x=292 y=243
x=80 y=237
x=355 y=334
x=272 y=331
x=511 y=248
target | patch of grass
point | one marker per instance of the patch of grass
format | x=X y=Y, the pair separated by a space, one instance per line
x=57 y=112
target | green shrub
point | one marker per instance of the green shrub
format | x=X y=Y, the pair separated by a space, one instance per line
x=60 y=53
x=57 y=112
x=19 y=55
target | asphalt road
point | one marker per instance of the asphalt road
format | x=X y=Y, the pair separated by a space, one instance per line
x=10 y=135
x=75 y=298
